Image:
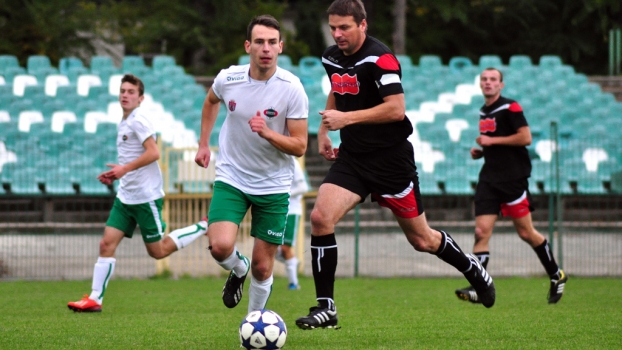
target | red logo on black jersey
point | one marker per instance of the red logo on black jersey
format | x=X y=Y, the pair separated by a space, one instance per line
x=487 y=125
x=344 y=84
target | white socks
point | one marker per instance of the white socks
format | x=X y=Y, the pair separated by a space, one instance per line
x=258 y=293
x=184 y=236
x=104 y=267
x=236 y=262
x=291 y=267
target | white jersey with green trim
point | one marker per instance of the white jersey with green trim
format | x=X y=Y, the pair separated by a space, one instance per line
x=245 y=160
x=145 y=183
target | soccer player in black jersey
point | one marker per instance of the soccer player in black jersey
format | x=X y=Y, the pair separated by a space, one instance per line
x=502 y=185
x=366 y=105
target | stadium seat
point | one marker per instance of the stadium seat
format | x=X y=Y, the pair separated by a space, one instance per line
x=7 y=61
x=37 y=62
x=26 y=118
x=429 y=62
x=162 y=61
x=21 y=81
x=24 y=181
x=85 y=82
x=61 y=118
x=244 y=59
x=52 y=82
x=51 y=106
x=114 y=84
x=74 y=72
x=95 y=91
x=92 y=119
x=36 y=93
x=66 y=63
x=487 y=61
x=5 y=117
x=459 y=63
x=310 y=65
x=131 y=62
x=11 y=72
x=549 y=62
x=99 y=62
x=520 y=62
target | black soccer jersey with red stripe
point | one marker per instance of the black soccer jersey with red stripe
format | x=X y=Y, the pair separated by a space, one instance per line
x=503 y=163
x=361 y=81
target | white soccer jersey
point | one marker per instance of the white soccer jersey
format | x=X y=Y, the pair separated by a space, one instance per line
x=143 y=184
x=245 y=160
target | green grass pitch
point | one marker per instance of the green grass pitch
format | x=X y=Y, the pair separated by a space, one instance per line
x=374 y=314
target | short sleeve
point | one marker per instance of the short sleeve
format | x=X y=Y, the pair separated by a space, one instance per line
x=517 y=118
x=218 y=83
x=388 y=75
x=142 y=126
x=298 y=107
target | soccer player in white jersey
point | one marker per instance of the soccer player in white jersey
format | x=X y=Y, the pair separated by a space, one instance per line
x=266 y=124
x=139 y=197
x=286 y=253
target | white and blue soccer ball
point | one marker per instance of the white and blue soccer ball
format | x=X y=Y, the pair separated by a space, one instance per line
x=263 y=329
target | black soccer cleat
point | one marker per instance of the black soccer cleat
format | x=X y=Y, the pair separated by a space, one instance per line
x=234 y=287
x=468 y=294
x=318 y=318
x=481 y=282
x=557 y=288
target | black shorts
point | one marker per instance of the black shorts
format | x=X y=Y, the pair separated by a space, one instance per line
x=389 y=175
x=508 y=198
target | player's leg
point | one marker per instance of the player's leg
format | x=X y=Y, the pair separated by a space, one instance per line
x=332 y=203
x=286 y=254
x=228 y=207
x=102 y=272
x=120 y=224
x=269 y=217
x=184 y=236
x=440 y=243
x=528 y=233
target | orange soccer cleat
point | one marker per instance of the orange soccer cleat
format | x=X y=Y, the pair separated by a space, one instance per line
x=85 y=304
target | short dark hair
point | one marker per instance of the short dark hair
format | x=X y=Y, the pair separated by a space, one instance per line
x=354 y=8
x=495 y=69
x=264 y=20
x=134 y=80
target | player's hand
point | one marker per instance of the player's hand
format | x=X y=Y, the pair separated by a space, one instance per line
x=325 y=148
x=106 y=180
x=203 y=156
x=116 y=171
x=258 y=124
x=333 y=119
x=484 y=140
x=476 y=153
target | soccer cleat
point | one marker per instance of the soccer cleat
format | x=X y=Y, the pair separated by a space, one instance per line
x=481 y=282
x=557 y=288
x=85 y=304
x=468 y=294
x=293 y=286
x=318 y=318
x=234 y=287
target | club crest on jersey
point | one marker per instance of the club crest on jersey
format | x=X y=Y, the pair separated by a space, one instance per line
x=270 y=112
x=344 y=84
x=232 y=105
x=124 y=137
x=487 y=125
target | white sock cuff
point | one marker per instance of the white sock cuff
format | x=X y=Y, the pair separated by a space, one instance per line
x=176 y=241
x=267 y=282
x=106 y=260
x=292 y=261
x=231 y=261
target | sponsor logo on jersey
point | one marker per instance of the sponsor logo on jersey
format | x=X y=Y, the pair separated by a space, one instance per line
x=275 y=234
x=237 y=78
x=232 y=105
x=270 y=113
x=124 y=137
x=487 y=125
x=344 y=84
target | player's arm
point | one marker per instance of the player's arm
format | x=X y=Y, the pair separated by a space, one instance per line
x=209 y=113
x=325 y=145
x=392 y=109
x=294 y=144
x=522 y=137
x=150 y=155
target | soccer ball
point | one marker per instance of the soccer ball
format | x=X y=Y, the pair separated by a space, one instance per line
x=263 y=329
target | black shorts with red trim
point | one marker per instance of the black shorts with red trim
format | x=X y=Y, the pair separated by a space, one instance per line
x=510 y=198
x=389 y=175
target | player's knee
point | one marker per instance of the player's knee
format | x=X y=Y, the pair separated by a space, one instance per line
x=481 y=234
x=318 y=218
x=220 y=252
x=106 y=248
x=261 y=270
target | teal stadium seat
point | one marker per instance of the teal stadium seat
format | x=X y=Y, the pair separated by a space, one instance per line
x=549 y=62
x=458 y=64
x=100 y=64
x=244 y=59
x=7 y=61
x=37 y=62
x=311 y=66
x=520 y=62
x=493 y=61
x=161 y=61
x=131 y=62
x=67 y=63
x=74 y=72
x=429 y=62
x=11 y=72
